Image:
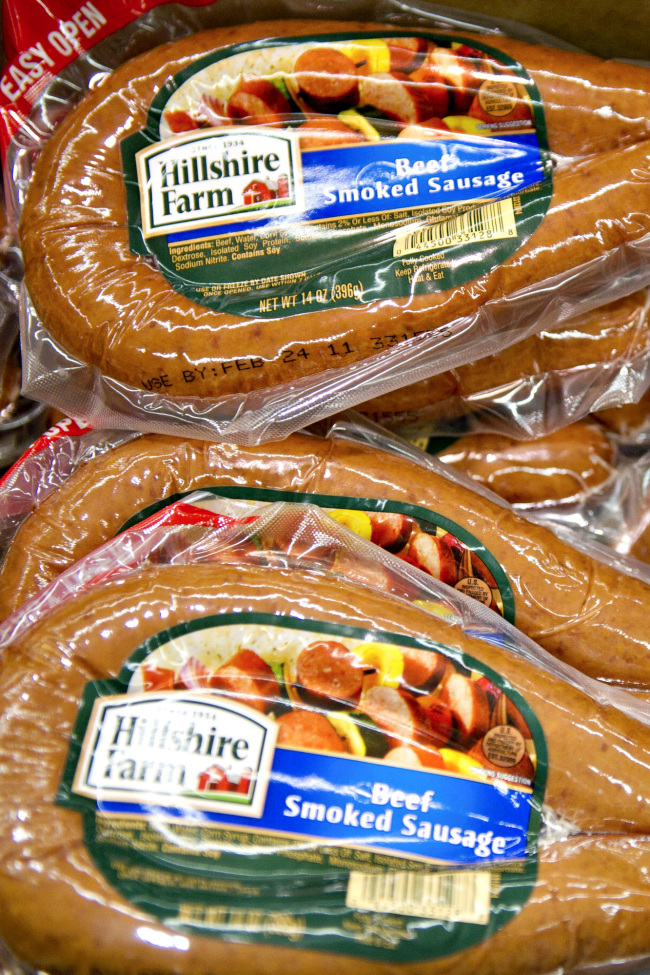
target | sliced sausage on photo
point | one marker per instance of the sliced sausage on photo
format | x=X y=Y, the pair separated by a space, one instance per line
x=249 y=679
x=308 y=729
x=327 y=79
x=469 y=705
x=327 y=670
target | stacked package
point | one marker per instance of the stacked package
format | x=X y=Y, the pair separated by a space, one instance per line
x=280 y=689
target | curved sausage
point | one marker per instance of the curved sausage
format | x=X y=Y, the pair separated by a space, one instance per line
x=614 y=334
x=604 y=633
x=613 y=106
x=579 y=878
x=111 y=309
x=563 y=466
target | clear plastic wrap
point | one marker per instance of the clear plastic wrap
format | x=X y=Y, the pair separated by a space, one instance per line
x=561 y=468
x=629 y=424
x=332 y=746
x=559 y=522
x=615 y=513
x=596 y=362
x=21 y=420
x=587 y=476
x=251 y=382
x=45 y=466
x=405 y=502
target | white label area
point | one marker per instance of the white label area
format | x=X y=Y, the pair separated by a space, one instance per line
x=446 y=896
x=199 y=180
x=493 y=221
x=196 y=750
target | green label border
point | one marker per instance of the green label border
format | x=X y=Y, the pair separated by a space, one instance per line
x=415 y=511
x=323 y=280
x=166 y=903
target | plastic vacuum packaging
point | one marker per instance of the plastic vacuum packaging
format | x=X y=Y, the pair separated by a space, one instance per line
x=245 y=759
x=630 y=424
x=292 y=226
x=412 y=505
x=591 y=364
x=585 y=476
x=563 y=467
x=21 y=420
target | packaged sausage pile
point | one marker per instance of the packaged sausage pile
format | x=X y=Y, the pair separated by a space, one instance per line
x=280 y=690
x=368 y=783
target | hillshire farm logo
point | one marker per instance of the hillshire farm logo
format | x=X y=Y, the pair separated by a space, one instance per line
x=189 y=749
x=201 y=180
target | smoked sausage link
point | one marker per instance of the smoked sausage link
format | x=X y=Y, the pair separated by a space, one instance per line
x=58 y=913
x=581 y=610
x=613 y=335
x=111 y=309
x=564 y=465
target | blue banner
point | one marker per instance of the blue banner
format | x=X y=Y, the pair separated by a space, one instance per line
x=390 y=175
x=393 y=809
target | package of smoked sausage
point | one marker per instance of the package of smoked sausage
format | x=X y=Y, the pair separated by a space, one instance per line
x=261 y=222
x=562 y=468
x=77 y=489
x=598 y=362
x=266 y=746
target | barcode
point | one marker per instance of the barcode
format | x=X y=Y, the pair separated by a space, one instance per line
x=493 y=221
x=459 y=896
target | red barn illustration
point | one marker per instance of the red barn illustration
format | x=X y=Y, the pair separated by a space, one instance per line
x=217 y=779
x=258 y=191
x=213 y=780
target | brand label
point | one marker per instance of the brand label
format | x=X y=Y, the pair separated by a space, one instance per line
x=280 y=175
x=200 y=182
x=275 y=780
x=434 y=544
x=167 y=744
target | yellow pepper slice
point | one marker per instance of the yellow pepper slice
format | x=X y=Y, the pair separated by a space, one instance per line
x=360 y=124
x=350 y=733
x=356 y=521
x=385 y=658
x=461 y=763
x=436 y=608
x=373 y=51
x=466 y=124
